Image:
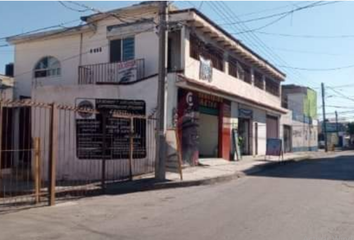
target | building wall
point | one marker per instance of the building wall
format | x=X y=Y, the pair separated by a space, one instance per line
x=226 y=82
x=259 y=118
x=70 y=53
x=68 y=165
x=304 y=135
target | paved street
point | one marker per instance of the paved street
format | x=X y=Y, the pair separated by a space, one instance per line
x=310 y=199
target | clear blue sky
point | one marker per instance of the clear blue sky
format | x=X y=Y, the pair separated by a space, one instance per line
x=333 y=19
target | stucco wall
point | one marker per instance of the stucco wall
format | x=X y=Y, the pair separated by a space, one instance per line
x=67 y=50
x=304 y=135
x=226 y=82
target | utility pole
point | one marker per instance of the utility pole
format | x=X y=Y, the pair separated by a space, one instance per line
x=337 y=128
x=324 y=116
x=160 y=171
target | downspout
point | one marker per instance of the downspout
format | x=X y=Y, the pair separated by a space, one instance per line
x=80 y=50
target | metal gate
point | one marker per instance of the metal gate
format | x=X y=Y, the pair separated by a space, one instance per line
x=54 y=152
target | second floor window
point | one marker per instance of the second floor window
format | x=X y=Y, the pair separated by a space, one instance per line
x=258 y=79
x=47 y=67
x=244 y=72
x=122 y=50
x=199 y=48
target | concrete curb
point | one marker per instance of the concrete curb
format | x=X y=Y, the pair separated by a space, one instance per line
x=152 y=184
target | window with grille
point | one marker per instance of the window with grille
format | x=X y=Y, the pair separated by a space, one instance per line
x=244 y=72
x=258 y=79
x=272 y=87
x=207 y=51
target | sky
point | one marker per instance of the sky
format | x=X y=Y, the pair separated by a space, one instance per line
x=318 y=37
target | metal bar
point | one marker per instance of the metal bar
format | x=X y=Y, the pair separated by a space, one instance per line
x=131 y=148
x=37 y=172
x=53 y=144
x=104 y=149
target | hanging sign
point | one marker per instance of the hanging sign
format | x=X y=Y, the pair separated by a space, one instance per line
x=206 y=69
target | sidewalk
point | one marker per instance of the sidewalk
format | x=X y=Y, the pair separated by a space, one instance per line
x=212 y=171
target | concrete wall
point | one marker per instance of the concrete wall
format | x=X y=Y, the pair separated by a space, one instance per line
x=70 y=53
x=304 y=135
x=69 y=167
x=226 y=82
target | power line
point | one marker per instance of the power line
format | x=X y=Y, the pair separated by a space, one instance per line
x=254 y=38
x=306 y=36
x=261 y=11
x=302 y=51
x=317 y=69
x=341 y=94
x=41 y=29
x=73 y=9
x=282 y=14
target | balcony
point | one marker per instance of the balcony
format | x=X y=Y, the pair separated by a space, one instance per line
x=112 y=73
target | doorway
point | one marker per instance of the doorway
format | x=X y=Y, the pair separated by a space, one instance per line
x=244 y=129
x=208 y=135
x=287 y=139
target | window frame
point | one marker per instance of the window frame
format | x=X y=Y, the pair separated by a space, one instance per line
x=121 y=57
x=48 y=69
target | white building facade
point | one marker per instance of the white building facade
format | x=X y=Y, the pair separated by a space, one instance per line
x=220 y=93
x=300 y=125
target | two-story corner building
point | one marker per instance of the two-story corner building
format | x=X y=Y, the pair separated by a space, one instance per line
x=300 y=125
x=218 y=89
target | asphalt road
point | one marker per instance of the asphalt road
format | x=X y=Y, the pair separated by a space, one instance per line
x=307 y=200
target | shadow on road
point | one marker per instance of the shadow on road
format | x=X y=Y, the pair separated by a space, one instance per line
x=336 y=168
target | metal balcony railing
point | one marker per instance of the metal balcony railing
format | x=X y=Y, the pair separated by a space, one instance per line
x=112 y=73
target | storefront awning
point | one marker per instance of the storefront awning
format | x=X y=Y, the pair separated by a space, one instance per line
x=189 y=83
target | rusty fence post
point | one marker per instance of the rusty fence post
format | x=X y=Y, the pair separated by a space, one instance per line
x=37 y=168
x=53 y=146
x=131 y=148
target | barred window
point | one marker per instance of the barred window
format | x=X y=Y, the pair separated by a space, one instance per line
x=199 y=48
x=258 y=79
x=233 y=67
x=272 y=87
x=244 y=72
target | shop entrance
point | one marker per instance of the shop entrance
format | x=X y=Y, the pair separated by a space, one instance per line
x=244 y=129
x=208 y=133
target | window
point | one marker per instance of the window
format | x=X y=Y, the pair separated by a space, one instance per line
x=199 y=48
x=233 y=67
x=272 y=87
x=258 y=79
x=47 y=67
x=244 y=72
x=122 y=49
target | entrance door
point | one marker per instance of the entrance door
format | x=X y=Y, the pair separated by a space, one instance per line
x=244 y=134
x=287 y=139
x=272 y=127
x=208 y=135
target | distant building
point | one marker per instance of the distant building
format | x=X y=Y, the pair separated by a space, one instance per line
x=300 y=131
x=336 y=133
x=6 y=87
